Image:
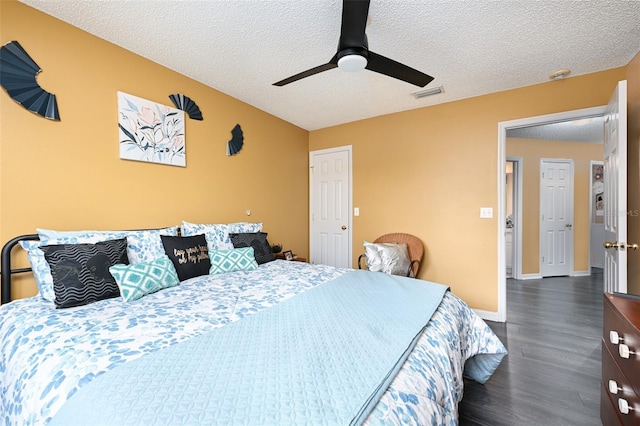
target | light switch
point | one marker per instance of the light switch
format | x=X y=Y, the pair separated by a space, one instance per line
x=356 y=211
x=486 y=212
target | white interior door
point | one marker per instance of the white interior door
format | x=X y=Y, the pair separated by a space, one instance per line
x=330 y=207
x=556 y=217
x=615 y=191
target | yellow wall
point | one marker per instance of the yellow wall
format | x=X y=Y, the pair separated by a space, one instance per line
x=532 y=151
x=425 y=171
x=633 y=169
x=68 y=175
x=428 y=171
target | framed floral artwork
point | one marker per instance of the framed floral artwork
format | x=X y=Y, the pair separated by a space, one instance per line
x=150 y=132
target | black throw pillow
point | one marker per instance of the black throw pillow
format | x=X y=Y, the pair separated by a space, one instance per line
x=189 y=255
x=81 y=271
x=257 y=240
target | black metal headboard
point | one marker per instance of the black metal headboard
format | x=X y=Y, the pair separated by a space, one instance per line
x=6 y=271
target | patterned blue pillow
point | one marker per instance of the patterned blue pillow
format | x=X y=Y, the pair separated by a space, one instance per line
x=50 y=234
x=140 y=279
x=241 y=259
x=142 y=246
x=244 y=227
x=218 y=234
x=145 y=246
x=40 y=268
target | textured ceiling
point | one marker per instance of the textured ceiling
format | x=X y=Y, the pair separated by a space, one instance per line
x=471 y=47
x=583 y=130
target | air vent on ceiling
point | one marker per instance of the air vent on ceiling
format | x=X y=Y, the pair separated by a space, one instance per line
x=429 y=92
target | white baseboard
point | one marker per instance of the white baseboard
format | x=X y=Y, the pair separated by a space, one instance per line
x=530 y=276
x=538 y=276
x=488 y=315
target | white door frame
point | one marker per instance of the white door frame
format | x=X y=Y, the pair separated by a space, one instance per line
x=349 y=149
x=503 y=126
x=541 y=239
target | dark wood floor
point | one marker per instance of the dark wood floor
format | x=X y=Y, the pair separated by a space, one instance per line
x=552 y=373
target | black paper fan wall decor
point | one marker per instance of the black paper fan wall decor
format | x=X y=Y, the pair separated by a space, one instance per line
x=237 y=140
x=18 y=77
x=187 y=105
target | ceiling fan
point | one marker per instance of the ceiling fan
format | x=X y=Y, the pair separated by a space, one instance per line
x=354 y=54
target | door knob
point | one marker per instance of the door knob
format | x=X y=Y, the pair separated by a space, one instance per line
x=568 y=225
x=620 y=246
x=344 y=227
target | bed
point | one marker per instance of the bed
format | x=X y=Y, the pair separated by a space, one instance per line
x=282 y=343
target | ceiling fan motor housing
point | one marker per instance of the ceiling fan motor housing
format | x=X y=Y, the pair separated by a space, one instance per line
x=352 y=59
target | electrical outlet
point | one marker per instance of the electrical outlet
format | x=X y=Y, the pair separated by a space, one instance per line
x=486 y=212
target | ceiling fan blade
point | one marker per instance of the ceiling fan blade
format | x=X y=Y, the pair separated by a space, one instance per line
x=386 y=66
x=333 y=63
x=354 y=22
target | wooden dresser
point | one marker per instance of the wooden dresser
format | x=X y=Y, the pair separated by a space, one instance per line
x=620 y=392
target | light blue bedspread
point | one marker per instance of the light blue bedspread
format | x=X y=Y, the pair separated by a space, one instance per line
x=322 y=357
x=47 y=355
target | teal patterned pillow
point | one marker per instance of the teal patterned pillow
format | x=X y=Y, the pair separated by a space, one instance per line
x=241 y=259
x=139 y=279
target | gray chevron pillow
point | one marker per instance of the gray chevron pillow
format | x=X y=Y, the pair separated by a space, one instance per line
x=81 y=271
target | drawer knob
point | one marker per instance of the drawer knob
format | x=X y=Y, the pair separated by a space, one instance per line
x=623 y=406
x=614 y=337
x=624 y=351
x=613 y=387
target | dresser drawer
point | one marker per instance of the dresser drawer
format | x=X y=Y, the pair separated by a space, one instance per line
x=615 y=322
x=625 y=391
x=609 y=414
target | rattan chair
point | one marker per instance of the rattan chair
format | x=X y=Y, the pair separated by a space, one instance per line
x=414 y=247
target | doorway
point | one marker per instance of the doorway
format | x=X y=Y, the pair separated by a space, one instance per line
x=517 y=125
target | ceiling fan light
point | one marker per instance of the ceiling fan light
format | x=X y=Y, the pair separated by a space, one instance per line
x=352 y=63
